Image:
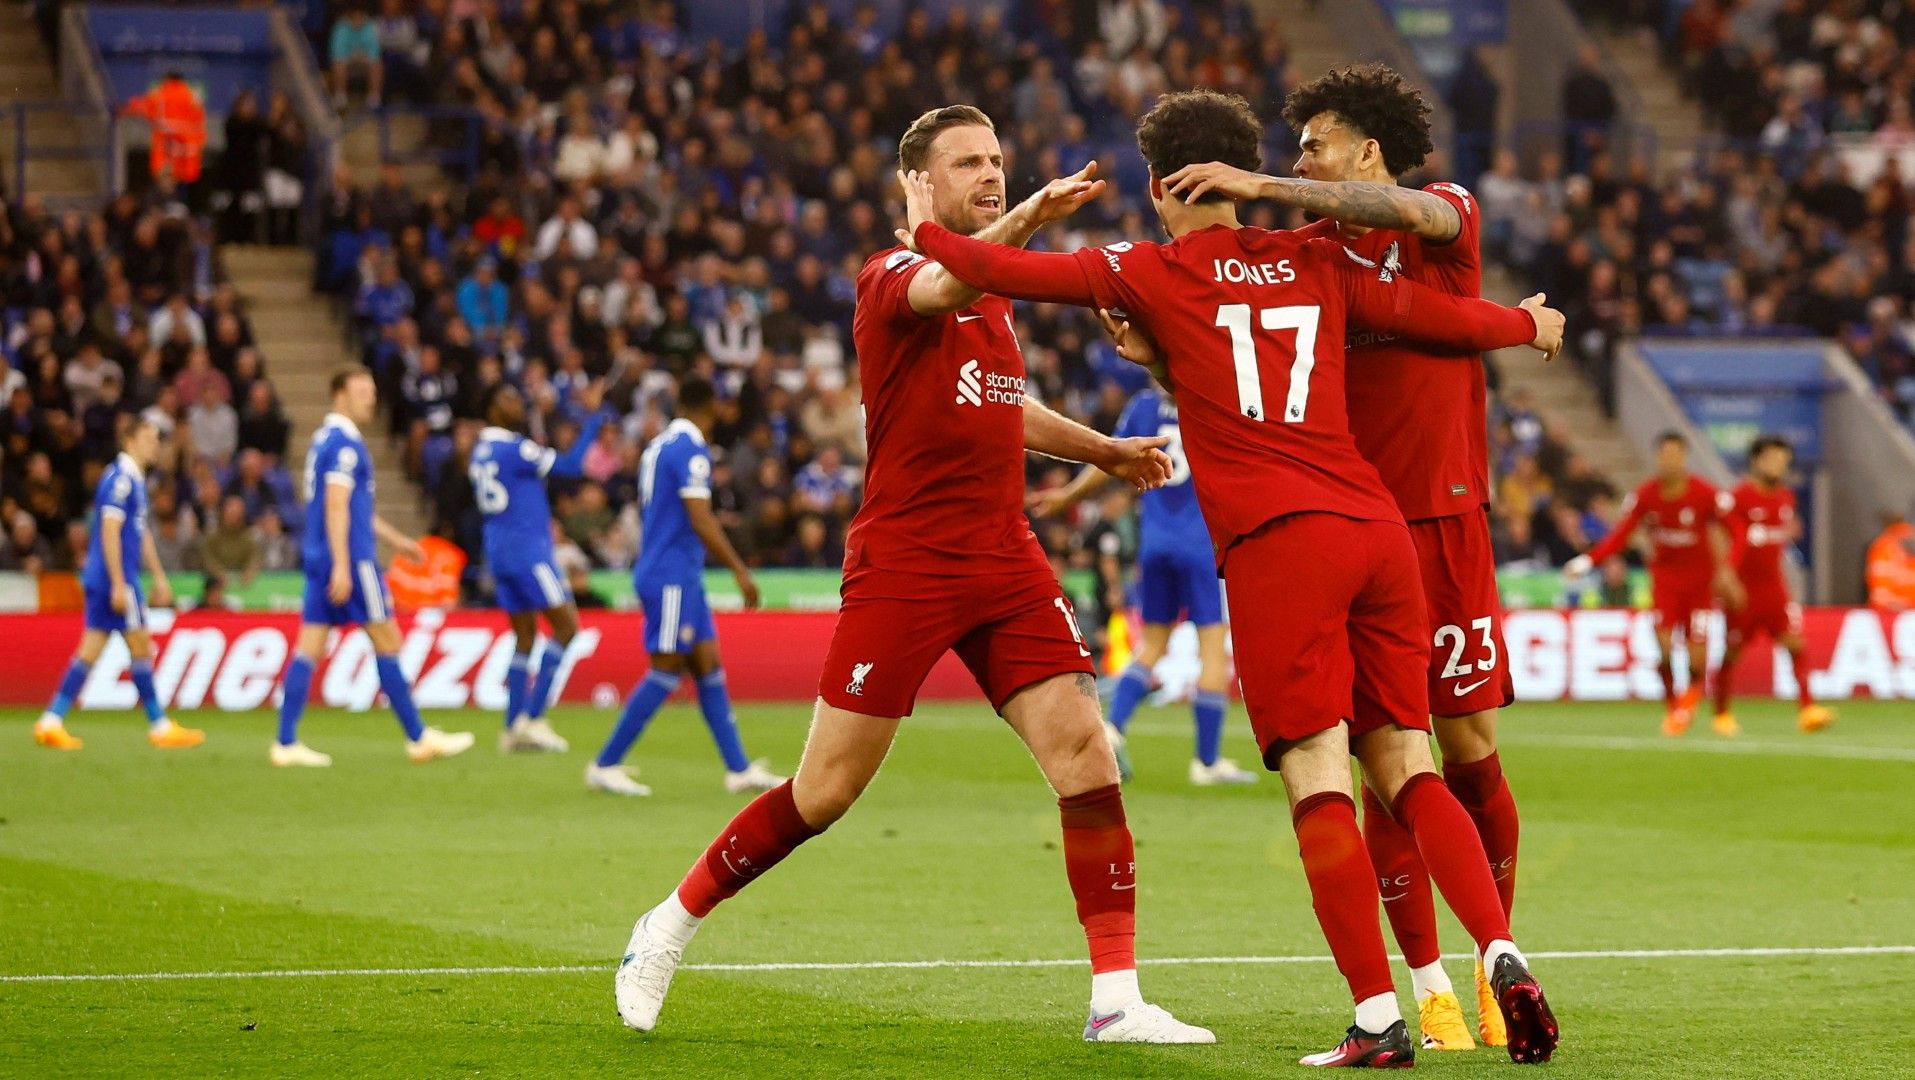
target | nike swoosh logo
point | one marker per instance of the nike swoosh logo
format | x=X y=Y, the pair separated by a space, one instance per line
x=1123 y=888
x=726 y=856
x=1461 y=690
x=1393 y=899
x=1099 y=1023
x=968 y=318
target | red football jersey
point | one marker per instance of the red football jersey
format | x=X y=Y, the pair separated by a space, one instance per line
x=1252 y=325
x=1761 y=525
x=944 y=422
x=1678 y=528
x=1420 y=412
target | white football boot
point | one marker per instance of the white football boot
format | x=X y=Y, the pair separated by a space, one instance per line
x=753 y=777
x=644 y=975
x=535 y=735
x=433 y=743
x=298 y=756
x=1225 y=771
x=1142 y=1022
x=613 y=780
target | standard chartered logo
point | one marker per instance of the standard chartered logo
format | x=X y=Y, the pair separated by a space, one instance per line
x=975 y=387
x=970 y=390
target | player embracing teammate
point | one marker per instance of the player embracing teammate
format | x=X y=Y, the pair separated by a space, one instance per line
x=1252 y=326
x=941 y=558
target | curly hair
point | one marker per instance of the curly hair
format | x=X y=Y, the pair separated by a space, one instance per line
x=1195 y=126
x=1375 y=101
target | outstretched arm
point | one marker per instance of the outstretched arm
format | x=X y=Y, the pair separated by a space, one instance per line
x=1053 y=501
x=1351 y=202
x=1460 y=322
x=1138 y=461
x=1021 y=275
x=936 y=291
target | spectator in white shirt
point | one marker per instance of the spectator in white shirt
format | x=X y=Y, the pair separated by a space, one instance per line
x=567 y=229
x=735 y=341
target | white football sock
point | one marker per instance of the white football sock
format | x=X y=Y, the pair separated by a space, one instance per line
x=1495 y=952
x=673 y=922
x=1430 y=979
x=1111 y=991
x=1376 y=1013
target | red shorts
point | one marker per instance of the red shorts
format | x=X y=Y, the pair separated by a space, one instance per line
x=1328 y=626
x=1768 y=611
x=1682 y=604
x=1467 y=669
x=1012 y=628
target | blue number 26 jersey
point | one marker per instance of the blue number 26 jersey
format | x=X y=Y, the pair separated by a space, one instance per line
x=508 y=474
x=1169 y=517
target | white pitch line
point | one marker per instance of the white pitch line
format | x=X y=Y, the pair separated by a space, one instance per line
x=929 y=965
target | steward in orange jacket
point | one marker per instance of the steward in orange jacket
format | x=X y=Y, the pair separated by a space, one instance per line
x=179 y=127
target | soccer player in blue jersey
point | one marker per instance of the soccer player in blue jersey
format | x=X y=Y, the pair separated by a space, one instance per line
x=508 y=474
x=115 y=603
x=677 y=529
x=1177 y=580
x=343 y=583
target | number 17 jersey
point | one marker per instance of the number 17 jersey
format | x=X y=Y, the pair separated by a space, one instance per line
x=1252 y=323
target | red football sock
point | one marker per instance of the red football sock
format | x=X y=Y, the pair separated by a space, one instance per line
x=1343 y=890
x=762 y=834
x=1485 y=795
x=1667 y=670
x=1101 y=862
x=1447 y=840
x=1802 y=696
x=1725 y=676
x=1404 y=882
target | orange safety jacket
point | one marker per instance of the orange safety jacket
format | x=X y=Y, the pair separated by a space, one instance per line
x=1891 y=569
x=179 y=128
x=429 y=583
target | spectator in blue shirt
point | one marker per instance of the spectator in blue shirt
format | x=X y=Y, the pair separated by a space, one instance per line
x=484 y=302
x=826 y=485
x=355 y=47
x=386 y=299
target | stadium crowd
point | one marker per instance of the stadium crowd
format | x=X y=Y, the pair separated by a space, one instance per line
x=1794 y=216
x=641 y=207
x=123 y=312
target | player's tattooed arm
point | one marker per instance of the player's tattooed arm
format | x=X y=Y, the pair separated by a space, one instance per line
x=935 y=290
x=1086 y=685
x=1350 y=202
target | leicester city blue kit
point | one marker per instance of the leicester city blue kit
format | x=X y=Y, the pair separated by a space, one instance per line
x=1176 y=567
x=670 y=573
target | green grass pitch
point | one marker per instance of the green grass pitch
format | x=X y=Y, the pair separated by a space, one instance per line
x=124 y=860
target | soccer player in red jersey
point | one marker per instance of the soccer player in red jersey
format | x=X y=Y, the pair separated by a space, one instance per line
x=1688 y=568
x=1420 y=415
x=940 y=557
x=1760 y=516
x=1250 y=325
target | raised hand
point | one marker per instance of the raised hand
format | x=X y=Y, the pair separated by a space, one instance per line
x=1193 y=181
x=1062 y=197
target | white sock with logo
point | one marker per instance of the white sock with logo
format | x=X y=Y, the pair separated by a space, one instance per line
x=1430 y=979
x=673 y=922
x=1111 y=991
x=1376 y=1013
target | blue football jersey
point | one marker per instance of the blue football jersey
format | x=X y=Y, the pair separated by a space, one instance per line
x=338 y=457
x=508 y=474
x=676 y=466
x=1169 y=516
x=120 y=498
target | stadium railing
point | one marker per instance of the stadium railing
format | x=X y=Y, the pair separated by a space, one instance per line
x=451 y=140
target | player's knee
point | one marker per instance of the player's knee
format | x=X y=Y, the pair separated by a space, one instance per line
x=1464 y=739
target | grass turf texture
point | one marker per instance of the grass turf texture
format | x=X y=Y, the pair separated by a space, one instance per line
x=121 y=859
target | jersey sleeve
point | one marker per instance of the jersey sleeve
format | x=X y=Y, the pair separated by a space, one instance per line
x=538 y=458
x=117 y=501
x=1040 y=276
x=1612 y=544
x=884 y=285
x=1401 y=306
x=1465 y=248
x=339 y=462
x=692 y=472
x=1119 y=274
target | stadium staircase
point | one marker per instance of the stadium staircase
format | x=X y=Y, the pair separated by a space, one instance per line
x=303 y=341
x=1314 y=43
x=1676 y=119
x=1559 y=392
x=26 y=74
